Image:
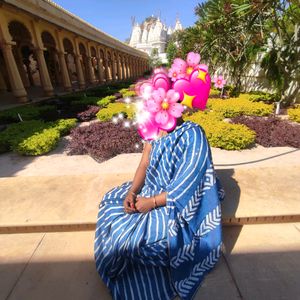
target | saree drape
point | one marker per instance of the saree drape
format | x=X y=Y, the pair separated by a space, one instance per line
x=167 y=251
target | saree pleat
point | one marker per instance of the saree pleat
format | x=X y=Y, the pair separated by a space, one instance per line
x=167 y=251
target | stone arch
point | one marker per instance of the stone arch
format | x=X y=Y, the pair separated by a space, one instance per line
x=94 y=59
x=51 y=58
x=24 y=54
x=70 y=59
x=115 y=66
x=84 y=60
x=103 y=63
x=120 y=67
x=109 y=65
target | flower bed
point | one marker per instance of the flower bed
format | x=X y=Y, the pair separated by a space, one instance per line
x=88 y=114
x=294 y=114
x=113 y=109
x=271 y=131
x=234 y=107
x=104 y=140
x=221 y=134
x=34 y=137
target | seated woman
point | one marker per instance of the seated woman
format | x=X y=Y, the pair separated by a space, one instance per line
x=158 y=235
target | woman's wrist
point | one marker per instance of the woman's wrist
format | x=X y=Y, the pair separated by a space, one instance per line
x=154 y=202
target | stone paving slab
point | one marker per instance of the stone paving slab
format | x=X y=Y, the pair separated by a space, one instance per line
x=260 y=262
x=265 y=260
x=62 y=199
x=57 y=163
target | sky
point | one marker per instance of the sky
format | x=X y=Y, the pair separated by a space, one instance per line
x=114 y=16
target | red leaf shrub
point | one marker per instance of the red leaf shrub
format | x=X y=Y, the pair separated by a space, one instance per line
x=104 y=140
x=272 y=131
x=88 y=114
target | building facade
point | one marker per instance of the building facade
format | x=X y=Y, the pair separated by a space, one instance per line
x=151 y=34
x=44 y=47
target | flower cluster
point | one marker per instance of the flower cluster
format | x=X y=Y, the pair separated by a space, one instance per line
x=164 y=95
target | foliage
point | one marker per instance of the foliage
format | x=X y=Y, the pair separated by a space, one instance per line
x=171 y=52
x=114 y=109
x=105 y=101
x=264 y=97
x=272 y=131
x=294 y=114
x=129 y=94
x=28 y=112
x=103 y=140
x=34 y=137
x=154 y=60
x=233 y=107
x=221 y=134
x=88 y=114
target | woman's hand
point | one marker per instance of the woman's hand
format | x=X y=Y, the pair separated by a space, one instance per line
x=129 y=203
x=143 y=204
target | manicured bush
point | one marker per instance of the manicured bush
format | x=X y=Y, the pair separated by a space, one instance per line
x=129 y=94
x=38 y=143
x=103 y=140
x=64 y=126
x=294 y=114
x=88 y=114
x=272 y=131
x=264 y=97
x=27 y=112
x=105 y=101
x=221 y=134
x=233 y=107
x=34 y=137
x=114 y=109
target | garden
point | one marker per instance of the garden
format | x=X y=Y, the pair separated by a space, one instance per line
x=101 y=123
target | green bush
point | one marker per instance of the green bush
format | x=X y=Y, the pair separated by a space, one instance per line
x=221 y=134
x=105 y=101
x=38 y=143
x=234 y=107
x=264 y=97
x=114 y=109
x=129 y=94
x=64 y=126
x=294 y=114
x=34 y=137
x=27 y=113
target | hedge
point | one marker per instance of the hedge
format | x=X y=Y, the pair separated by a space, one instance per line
x=34 y=137
x=234 y=107
x=105 y=101
x=114 y=109
x=294 y=114
x=28 y=112
x=221 y=134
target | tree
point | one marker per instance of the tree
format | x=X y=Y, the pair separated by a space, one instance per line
x=171 y=52
x=154 y=59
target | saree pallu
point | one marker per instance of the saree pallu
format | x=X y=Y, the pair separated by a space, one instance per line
x=167 y=251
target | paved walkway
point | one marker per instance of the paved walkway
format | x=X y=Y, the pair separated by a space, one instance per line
x=42 y=199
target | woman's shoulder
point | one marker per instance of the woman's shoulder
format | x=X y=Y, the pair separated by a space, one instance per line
x=193 y=128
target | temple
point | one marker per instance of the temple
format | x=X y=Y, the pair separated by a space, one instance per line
x=152 y=33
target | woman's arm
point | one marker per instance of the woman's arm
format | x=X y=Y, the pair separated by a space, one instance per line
x=138 y=180
x=145 y=204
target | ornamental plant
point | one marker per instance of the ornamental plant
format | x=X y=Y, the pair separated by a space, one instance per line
x=294 y=114
x=113 y=109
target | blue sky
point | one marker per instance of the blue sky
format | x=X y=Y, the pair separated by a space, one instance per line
x=114 y=16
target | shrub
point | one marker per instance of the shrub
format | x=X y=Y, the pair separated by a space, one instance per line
x=34 y=137
x=272 y=131
x=64 y=126
x=105 y=101
x=88 y=114
x=221 y=134
x=27 y=113
x=114 y=109
x=233 y=107
x=294 y=114
x=103 y=140
x=38 y=143
x=264 y=97
x=129 y=94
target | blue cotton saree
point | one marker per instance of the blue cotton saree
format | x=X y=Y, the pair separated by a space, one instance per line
x=167 y=251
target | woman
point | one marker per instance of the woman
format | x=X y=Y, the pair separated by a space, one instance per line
x=158 y=235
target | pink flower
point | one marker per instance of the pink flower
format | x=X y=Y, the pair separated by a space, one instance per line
x=192 y=60
x=174 y=73
x=219 y=81
x=180 y=65
x=160 y=70
x=163 y=105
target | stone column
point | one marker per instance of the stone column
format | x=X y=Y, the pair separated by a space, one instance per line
x=100 y=69
x=124 y=68
x=15 y=80
x=44 y=74
x=80 y=76
x=119 y=71
x=64 y=72
x=128 y=67
x=113 y=67
x=91 y=73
